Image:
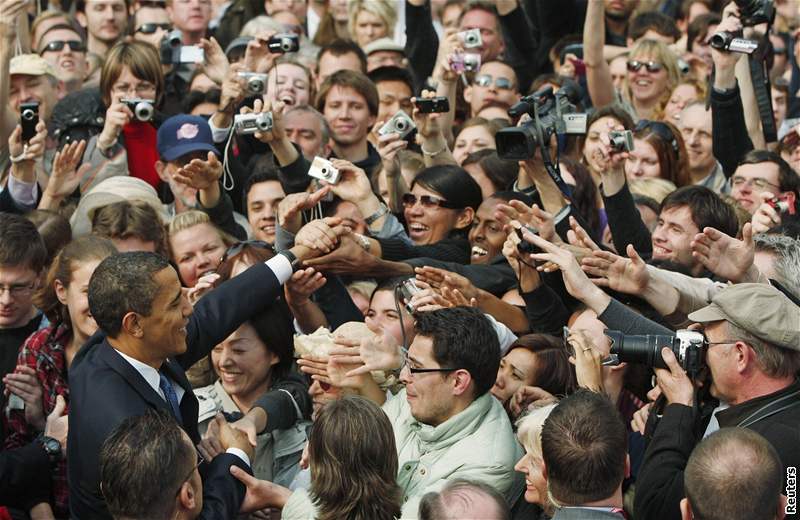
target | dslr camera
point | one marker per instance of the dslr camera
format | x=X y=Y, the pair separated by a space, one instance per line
x=470 y=39
x=551 y=114
x=248 y=124
x=142 y=108
x=689 y=347
x=621 y=141
x=323 y=170
x=733 y=42
x=438 y=104
x=462 y=62
x=255 y=82
x=754 y=12
x=283 y=43
x=399 y=124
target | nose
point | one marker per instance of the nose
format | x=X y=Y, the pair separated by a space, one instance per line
x=521 y=465
x=500 y=382
x=315 y=389
x=658 y=235
x=5 y=297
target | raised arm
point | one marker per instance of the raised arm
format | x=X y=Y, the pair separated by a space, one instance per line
x=598 y=73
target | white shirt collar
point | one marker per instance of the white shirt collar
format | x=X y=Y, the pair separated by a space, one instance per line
x=152 y=376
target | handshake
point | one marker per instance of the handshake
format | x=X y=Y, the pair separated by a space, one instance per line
x=222 y=436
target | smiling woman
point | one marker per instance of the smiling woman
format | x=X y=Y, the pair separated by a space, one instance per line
x=196 y=245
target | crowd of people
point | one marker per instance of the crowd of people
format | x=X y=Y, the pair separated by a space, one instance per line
x=382 y=259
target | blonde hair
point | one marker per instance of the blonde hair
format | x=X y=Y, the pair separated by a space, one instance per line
x=383 y=9
x=529 y=428
x=652 y=187
x=659 y=52
x=260 y=24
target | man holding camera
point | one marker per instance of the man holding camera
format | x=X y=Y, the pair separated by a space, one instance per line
x=753 y=355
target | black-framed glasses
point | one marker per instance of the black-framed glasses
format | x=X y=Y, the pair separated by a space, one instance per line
x=662 y=130
x=150 y=28
x=427 y=201
x=414 y=370
x=200 y=460
x=58 y=45
x=651 y=66
x=238 y=247
x=485 y=80
x=18 y=290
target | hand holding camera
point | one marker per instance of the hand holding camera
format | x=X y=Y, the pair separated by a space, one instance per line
x=769 y=212
x=353 y=184
x=27 y=151
x=263 y=121
x=724 y=61
x=233 y=89
x=428 y=124
x=117 y=116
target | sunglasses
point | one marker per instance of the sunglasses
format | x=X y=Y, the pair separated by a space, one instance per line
x=428 y=201
x=651 y=66
x=238 y=247
x=151 y=28
x=58 y=45
x=660 y=129
x=485 y=80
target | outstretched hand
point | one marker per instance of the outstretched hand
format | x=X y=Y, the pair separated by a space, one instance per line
x=724 y=255
x=627 y=275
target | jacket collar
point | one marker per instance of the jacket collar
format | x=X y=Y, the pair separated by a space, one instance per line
x=734 y=415
x=455 y=428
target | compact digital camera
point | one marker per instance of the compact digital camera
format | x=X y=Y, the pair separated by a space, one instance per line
x=248 y=124
x=142 y=108
x=323 y=170
x=408 y=288
x=438 y=104
x=471 y=38
x=400 y=123
x=621 y=140
x=461 y=62
x=283 y=43
x=255 y=82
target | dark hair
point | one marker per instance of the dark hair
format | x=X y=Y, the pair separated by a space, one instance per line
x=353 y=461
x=699 y=28
x=614 y=110
x=340 y=47
x=349 y=79
x=248 y=253
x=142 y=466
x=124 y=283
x=264 y=170
x=21 y=245
x=584 y=195
x=501 y=172
x=480 y=5
x=455 y=499
x=126 y=219
x=660 y=23
x=454 y=184
x=686 y=7
x=63 y=27
x=563 y=42
x=54 y=229
x=141 y=58
x=463 y=338
x=392 y=74
x=274 y=326
x=667 y=141
x=584 y=448
x=553 y=372
x=707 y=208
x=733 y=473
x=788 y=179
x=82 y=249
x=197 y=97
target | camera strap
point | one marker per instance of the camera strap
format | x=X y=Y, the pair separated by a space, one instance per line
x=553 y=169
x=762 y=88
x=770 y=409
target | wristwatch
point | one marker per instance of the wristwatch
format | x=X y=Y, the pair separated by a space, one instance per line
x=51 y=446
x=293 y=261
x=382 y=210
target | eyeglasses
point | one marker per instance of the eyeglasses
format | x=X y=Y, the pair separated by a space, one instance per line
x=58 y=45
x=758 y=182
x=651 y=66
x=427 y=201
x=238 y=247
x=142 y=90
x=414 y=370
x=662 y=130
x=200 y=460
x=18 y=290
x=150 y=28
x=485 y=80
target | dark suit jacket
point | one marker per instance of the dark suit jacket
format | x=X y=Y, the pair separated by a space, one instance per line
x=25 y=476
x=105 y=389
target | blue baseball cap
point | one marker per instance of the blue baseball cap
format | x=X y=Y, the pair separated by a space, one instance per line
x=183 y=134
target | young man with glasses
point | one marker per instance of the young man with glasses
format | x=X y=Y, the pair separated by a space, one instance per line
x=22 y=259
x=64 y=48
x=495 y=84
x=762 y=175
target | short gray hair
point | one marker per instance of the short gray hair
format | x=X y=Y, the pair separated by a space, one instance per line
x=308 y=109
x=787 y=258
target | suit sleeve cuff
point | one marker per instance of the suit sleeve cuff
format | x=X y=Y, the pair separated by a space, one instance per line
x=281 y=267
x=239 y=453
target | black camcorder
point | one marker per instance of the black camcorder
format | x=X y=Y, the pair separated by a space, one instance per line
x=551 y=114
x=754 y=12
x=689 y=347
x=733 y=42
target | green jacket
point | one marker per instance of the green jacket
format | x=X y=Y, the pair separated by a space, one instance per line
x=477 y=444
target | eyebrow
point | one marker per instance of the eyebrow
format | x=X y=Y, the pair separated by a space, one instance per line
x=178 y=296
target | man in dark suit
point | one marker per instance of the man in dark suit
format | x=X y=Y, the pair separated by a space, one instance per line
x=148 y=335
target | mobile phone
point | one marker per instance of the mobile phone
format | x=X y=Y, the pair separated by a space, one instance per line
x=28 y=118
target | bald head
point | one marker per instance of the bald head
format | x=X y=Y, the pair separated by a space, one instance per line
x=464 y=499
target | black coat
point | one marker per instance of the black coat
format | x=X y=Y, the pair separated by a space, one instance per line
x=105 y=389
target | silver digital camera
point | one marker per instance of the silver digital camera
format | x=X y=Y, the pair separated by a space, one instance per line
x=621 y=141
x=323 y=170
x=400 y=123
x=256 y=82
x=247 y=124
x=471 y=38
x=462 y=62
x=142 y=108
x=408 y=288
